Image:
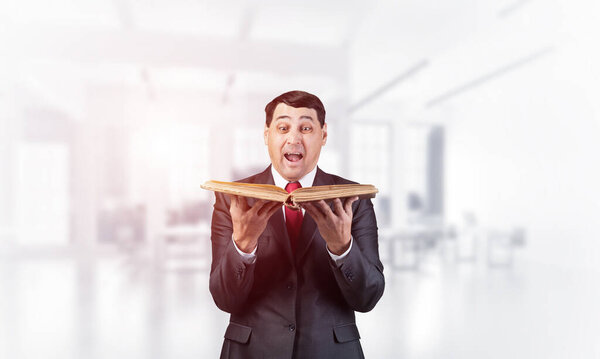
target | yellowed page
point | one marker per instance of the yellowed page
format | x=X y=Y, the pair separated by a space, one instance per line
x=261 y=191
x=316 y=193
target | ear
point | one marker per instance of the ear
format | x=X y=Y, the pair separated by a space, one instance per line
x=324 y=131
x=266 y=135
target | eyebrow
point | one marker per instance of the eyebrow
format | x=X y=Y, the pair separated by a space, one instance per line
x=289 y=118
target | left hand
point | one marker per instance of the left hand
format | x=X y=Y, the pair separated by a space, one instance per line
x=335 y=226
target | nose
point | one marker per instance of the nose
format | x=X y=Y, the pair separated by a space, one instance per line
x=294 y=137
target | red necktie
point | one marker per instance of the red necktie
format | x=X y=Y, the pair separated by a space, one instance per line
x=293 y=219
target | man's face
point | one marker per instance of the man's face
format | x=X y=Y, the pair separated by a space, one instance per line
x=295 y=138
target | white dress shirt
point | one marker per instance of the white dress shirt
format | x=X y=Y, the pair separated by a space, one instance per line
x=306 y=181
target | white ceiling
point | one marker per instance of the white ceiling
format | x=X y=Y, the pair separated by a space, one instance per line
x=347 y=49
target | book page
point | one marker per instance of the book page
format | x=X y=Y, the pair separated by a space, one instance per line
x=307 y=194
x=260 y=191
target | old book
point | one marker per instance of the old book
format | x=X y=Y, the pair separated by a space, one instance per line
x=294 y=199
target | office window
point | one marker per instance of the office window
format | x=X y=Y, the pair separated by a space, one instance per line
x=423 y=149
x=370 y=152
x=250 y=154
x=415 y=165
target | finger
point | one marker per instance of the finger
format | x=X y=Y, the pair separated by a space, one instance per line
x=310 y=207
x=243 y=203
x=324 y=208
x=275 y=204
x=269 y=208
x=337 y=207
x=276 y=207
x=314 y=213
x=348 y=204
x=257 y=206
x=234 y=202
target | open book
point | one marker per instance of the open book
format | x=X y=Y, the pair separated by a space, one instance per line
x=295 y=198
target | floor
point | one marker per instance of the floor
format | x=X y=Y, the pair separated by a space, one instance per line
x=116 y=308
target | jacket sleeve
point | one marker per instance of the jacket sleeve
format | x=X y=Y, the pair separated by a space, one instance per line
x=231 y=279
x=360 y=277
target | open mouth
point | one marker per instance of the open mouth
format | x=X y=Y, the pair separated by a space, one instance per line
x=293 y=156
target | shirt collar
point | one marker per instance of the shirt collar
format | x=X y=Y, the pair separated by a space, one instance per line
x=305 y=181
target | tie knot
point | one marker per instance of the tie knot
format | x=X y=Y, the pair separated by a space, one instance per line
x=292 y=186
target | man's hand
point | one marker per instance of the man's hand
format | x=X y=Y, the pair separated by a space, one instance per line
x=249 y=222
x=335 y=226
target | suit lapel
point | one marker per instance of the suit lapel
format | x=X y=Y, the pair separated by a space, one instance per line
x=279 y=235
x=276 y=229
x=309 y=228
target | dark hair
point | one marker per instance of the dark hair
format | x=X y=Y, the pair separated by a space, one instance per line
x=296 y=99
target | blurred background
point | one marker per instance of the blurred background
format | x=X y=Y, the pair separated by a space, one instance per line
x=477 y=120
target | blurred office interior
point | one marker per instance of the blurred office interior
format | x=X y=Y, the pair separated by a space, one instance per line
x=477 y=120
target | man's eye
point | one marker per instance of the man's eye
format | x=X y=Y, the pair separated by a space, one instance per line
x=282 y=128
x=306 y=129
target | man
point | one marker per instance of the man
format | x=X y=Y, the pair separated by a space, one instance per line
x=292 y=280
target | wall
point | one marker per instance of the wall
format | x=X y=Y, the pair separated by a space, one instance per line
x=522 y=150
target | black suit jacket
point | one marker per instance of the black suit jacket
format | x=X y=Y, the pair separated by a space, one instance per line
x=294 y=306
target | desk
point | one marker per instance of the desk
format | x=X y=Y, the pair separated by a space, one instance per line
x=184 y=247
x=405 y=247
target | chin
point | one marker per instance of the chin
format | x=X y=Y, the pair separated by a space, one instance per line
x=292 y=174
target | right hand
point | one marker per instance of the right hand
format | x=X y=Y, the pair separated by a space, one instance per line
x=249 y=222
